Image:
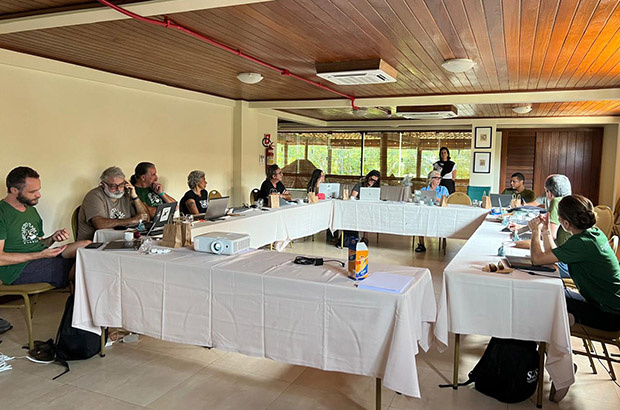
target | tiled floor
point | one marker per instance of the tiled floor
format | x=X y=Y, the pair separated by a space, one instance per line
x=161 y=375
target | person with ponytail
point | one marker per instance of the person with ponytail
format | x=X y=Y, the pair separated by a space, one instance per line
x=592 y=264
x=148 y=188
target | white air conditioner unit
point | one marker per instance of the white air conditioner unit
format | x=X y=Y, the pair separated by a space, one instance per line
x=374 y=71
x=429 y=112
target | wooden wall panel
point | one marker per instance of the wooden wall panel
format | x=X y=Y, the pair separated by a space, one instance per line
x=575 y=153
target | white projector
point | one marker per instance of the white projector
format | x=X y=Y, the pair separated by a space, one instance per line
x=224 y=243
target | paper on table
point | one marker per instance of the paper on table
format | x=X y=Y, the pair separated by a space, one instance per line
x=386 y=282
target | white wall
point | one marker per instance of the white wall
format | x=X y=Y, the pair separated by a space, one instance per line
x=69 y=128
x=610 y=169
x=491 y=179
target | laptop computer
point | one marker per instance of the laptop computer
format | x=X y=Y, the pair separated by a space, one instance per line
x=216 y=208
x=370 y=194
x=500 y=201
x=331 y=190
x=122 y=246
x=428 y=195
x=163 y=215
x=520 y=259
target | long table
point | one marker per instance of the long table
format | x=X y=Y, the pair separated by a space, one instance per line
x=406 y=218
x=516 y=305
x=261 y=304
x=291 y=222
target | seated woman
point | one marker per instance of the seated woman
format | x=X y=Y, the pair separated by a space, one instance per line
x=195 y=200
x=371 y=180
x=592 y=264
x=434 y=180
x=318 y=176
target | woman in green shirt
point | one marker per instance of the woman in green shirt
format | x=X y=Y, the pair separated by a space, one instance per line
x=592 y=263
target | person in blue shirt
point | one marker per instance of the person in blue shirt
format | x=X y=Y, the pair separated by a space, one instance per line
x=434 y=181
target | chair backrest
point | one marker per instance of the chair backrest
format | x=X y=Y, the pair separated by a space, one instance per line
x=74 y=222
x=604 y=219
x=475 y=192
x=613 y=242
x=214 y=193
x=254 y=195
x=459 y=198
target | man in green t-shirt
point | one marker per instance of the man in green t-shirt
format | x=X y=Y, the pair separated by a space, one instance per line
x=25 y=255
x=517 y=187
x=148 y=188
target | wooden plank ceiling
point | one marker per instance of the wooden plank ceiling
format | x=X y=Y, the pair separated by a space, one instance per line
x=558 y=109
x=517 y=45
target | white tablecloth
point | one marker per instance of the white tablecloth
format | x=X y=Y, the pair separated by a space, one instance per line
x=517 y=305
x=406 y=218
x=264 y=227
x=261 y=304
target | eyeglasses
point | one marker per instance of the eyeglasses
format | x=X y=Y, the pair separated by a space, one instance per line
x=116 y=186
x=435 y=177
x=374 y=179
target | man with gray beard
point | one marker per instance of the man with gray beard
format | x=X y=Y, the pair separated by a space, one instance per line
x=113 y=203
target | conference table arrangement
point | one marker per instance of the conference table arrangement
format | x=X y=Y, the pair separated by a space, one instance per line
x=261 y=304
x=518 y=305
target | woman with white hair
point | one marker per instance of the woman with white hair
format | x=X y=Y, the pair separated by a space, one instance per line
x=433 y=181
x=195 y=200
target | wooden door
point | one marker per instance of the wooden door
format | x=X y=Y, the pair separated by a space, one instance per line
x=538 y=153
x=518 y=155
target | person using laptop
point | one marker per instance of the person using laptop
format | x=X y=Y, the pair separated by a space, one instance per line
x=113 y=203
x=148 y=188
x=371 y=180
x=433 y=181
x=26 y=255
x=195 y=201
x=591 y=261
x=318 y=177
x=517 y=187
x=273 y=184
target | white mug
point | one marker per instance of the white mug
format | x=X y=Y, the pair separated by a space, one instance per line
x=128 y=236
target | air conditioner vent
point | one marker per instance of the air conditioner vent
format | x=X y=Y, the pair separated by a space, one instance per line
x=428 y=112
x=374 y=71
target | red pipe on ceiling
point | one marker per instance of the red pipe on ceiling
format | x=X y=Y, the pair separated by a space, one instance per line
x=167 y=23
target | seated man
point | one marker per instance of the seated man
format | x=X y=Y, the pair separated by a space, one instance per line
x=113 y=203
x=148 y=189
x=273 y=184
x=25 y=256
x=517 y=187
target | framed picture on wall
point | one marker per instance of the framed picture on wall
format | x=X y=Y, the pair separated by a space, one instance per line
x=483 y=137
x=482 y=162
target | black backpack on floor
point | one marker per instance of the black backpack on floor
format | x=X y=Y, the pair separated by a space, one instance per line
x=70 y=344
x=507 y=371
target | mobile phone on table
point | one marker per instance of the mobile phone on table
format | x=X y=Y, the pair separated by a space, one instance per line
x=94 y=245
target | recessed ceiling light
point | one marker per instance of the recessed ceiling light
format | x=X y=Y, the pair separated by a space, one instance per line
x=522 y=109
x=458 y=65
x=249 y=78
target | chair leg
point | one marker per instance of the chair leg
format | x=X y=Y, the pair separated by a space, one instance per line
x=609 y=363
x=103 y=342
x=445 y=245
x=28 y=308
x=542 y=347
x=33 y=303
x=589 y=354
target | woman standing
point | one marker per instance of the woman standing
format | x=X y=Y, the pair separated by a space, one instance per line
x=447 y=168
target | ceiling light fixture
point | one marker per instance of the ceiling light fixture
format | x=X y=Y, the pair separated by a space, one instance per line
x=522 y=109
x=249 y=78
x=458 y=65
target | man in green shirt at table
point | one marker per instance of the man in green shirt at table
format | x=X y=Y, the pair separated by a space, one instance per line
x=517 y=187
x=148 y=188
x=25 y=255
